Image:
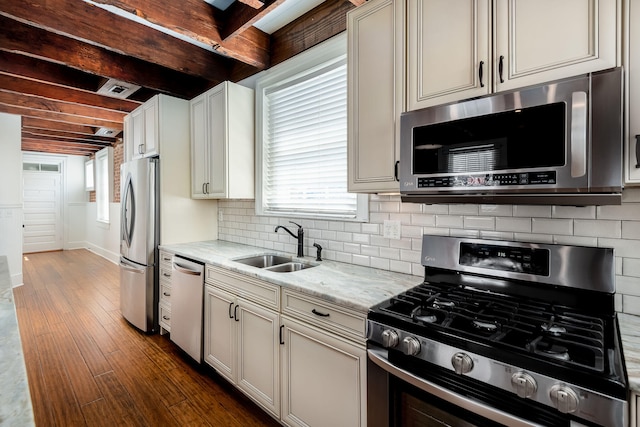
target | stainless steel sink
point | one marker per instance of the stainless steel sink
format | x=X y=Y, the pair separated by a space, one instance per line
x=263 y=261
x=290 y=267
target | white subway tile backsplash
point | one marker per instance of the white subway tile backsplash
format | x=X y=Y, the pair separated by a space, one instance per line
x=552 y=226
x=630 y=267
x=479 y=222
x=522 y=225
x=496 y=210
x=597 y=228
x=582 y=212
x=630 y=229
x=449 y=221
x=532 y=211
x=631 y=304
x=363 y=244
x=463 y=209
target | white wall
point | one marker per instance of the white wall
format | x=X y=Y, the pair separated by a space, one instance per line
x=103 y=239
x=364 y=244
x=11 y=194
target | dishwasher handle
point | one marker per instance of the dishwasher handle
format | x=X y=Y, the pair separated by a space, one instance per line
x=185 y=270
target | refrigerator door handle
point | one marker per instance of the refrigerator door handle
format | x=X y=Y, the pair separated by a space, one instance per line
x=185 y=270
x=128 y=218
x=132 y=269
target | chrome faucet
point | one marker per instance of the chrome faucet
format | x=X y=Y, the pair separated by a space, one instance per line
x=300 y=236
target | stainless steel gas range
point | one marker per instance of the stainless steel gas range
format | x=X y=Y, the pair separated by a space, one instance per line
x=500 y=333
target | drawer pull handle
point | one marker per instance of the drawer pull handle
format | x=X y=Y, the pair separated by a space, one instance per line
x=166 y=274
x=166 y=259
x=235 y=313
x=166 y=294
x=166 y=318
x=281 y=337
x=317 y=313
x=230 y=314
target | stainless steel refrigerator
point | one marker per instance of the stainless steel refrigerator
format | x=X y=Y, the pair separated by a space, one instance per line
x=139 y=237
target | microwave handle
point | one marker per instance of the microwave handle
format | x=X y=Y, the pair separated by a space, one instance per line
x=578 y=134
x=637 y=151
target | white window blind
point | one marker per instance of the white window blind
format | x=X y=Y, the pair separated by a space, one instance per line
x=305 y=145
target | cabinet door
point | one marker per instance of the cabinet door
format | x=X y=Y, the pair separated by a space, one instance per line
x=199 y=147
x=258 y=350
x=544 y=40
x=632 y=76
x=151 y=132
x=323 y=378
x=137 y=131
x=375 y=94
x=127 y=135
x=220 y=332
x=217 y=118
x=448 y=51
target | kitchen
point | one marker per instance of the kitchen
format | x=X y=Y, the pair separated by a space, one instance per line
x=368 y=243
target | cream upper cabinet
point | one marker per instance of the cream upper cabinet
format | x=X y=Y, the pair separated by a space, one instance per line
x=448 y=51
x=632 y=94
x=222 y=143
x=375 y=94
x=454 y=53
x=543 y=40
x=142 y=133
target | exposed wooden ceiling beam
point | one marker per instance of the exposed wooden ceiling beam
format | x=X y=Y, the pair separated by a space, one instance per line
x=27 y=111
x=37 y=123
x=38 y=43
x=256 y=4
x=77 y=19
x=315 y=26
x=56 y=148
x=65 y=94
x=39 y=103
x=197 y=22
x=53 y=135
x=239 y=18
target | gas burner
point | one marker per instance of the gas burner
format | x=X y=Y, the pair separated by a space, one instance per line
x=485 y=326
x=424 y=315
x=443 y=304
x=553 y=329
x=554 y=351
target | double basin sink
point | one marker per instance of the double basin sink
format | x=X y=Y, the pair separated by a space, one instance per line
x=275 y=263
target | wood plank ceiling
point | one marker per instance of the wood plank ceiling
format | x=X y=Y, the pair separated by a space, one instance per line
x=55 y=55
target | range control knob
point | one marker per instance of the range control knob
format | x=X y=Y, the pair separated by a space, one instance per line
x=462 y=363
x=390 y=338
x=410 y=346
x=564 y=398
x=524 y=384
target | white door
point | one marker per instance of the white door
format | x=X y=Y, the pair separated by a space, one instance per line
x=42 y=209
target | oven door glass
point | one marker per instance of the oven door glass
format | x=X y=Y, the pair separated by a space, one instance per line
x=532 y=137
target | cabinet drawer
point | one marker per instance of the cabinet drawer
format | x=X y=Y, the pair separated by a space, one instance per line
x=165 y=292
x=165 y=260
x=165 y=316
x=324 y=314
x=246 y=287
x=165 y=273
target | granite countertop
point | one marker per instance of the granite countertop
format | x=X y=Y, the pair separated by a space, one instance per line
x=15 y=400
x=347 y=285
x=630 y=334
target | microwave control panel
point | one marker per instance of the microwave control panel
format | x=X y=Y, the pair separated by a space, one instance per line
x=489 y=180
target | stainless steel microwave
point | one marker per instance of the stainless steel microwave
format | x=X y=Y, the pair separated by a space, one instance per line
x=557 y=143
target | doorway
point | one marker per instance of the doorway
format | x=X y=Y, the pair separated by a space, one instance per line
x=42 y=205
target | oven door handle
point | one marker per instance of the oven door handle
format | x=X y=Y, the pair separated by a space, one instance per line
x=379 y=357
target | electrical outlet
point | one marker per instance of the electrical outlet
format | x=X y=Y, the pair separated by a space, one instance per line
x=391 y=229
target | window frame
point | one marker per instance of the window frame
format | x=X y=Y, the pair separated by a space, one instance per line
x=330 y=52
x=106 y=154
x=89 y=175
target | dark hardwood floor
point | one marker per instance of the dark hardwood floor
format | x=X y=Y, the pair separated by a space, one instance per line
x=88 y=367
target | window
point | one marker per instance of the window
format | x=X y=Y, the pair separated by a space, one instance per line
x=89 y=184
x=302 y=138
x=104 y=182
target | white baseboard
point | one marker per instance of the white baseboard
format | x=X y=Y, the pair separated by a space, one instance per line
x=16 y=280
x=111 y=256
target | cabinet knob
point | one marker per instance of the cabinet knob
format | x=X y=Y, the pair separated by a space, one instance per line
x=638 y=151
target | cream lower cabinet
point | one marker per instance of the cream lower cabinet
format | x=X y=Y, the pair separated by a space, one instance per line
x=241 y=342
x=164 y=304
x=323 y=378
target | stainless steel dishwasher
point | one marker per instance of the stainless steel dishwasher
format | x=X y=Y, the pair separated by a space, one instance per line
x=187 y=293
